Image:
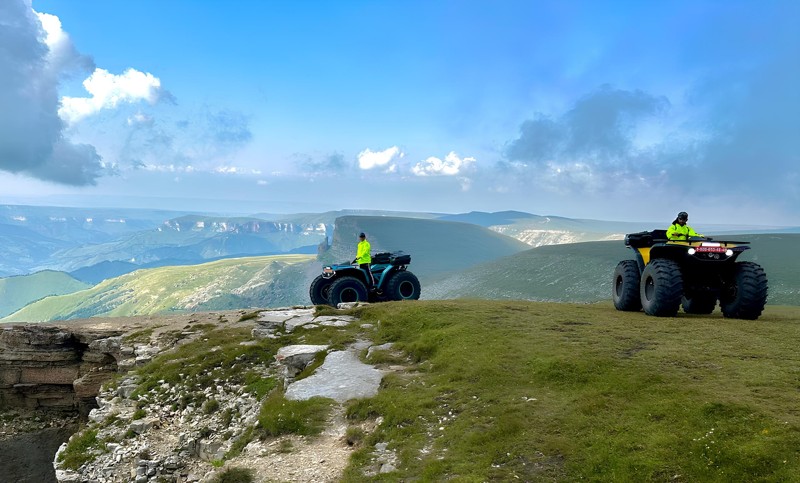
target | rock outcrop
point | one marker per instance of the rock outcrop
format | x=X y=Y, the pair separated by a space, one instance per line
x=150 y=428
x=53 y=368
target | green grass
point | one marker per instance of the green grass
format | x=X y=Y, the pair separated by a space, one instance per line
x=535 y=391
x=217 y=354
x=235 y=475
x=280 y=416
x=81 y=449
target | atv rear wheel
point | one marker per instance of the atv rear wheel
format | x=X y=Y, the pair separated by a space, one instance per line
x=347 y=289
x=661 y=288
x=745 y=294
x=403 y=286
x=625 y=290
x=699 y=302
x=320 y=289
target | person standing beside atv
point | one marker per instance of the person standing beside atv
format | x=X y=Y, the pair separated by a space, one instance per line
x=364 y=259
x=679 y=230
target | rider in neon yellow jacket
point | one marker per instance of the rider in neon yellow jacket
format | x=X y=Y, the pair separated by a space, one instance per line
x=679 y=230
x=364 y=259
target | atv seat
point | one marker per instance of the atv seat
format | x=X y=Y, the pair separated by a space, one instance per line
x=659 y=235
x=639 y=240
x=645 y=239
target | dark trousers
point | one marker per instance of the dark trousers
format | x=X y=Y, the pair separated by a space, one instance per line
x=370 y=279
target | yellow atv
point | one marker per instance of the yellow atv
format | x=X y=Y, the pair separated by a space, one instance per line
x=694 y=273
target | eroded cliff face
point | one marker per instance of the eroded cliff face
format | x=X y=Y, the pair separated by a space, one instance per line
x=45 y=367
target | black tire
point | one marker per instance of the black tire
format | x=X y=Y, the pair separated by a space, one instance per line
x=347 y=289
x=625 y=286
x=661 y=288
x=403 y=286
x=745 y=294
x=320 y=288
x=699 y=302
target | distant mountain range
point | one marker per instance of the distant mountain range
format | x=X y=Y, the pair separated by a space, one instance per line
x=475 y=254
x=194 y=239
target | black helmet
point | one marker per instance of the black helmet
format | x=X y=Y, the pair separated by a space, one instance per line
x=683 y=216
x=362 y=235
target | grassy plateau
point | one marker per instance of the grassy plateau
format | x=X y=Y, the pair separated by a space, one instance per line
x=507 y=390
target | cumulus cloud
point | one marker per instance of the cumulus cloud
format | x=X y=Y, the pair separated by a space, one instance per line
x=34 y=55
x=108 y=91
x=62 y=56
x=368 y=159
x=452 y=165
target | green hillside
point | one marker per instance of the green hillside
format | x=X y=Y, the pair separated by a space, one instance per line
x=581 y=272
x=17 y=292
x=436 y=247
x=223 y=284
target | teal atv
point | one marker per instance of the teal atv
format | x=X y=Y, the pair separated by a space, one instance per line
x=347 y=282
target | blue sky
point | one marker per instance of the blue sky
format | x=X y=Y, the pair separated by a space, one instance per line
x=610 y=110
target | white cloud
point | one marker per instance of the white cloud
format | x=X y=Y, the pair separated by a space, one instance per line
x=368 y=159
x=167 y=168
x=140 y=118
x=109 y=90
x=55 y=37
x=236 y=170
x=451 y=166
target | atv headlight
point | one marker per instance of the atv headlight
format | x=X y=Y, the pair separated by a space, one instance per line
x=692 y=251
x=728 y=252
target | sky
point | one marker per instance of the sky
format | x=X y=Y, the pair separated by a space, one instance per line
x=617 y=110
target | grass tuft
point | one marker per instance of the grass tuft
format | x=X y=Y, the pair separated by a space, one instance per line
x=81 y=449
x=235 y=475
x=280 y=416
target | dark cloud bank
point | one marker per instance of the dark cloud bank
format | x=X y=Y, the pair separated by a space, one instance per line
x=31 y=133
x=742 y=141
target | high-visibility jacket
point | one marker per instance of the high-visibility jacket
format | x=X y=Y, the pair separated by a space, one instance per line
x=678 y=232
x=362 y=255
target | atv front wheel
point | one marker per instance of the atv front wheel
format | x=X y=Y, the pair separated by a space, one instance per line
x=625 y=291
x=347 y=289
x=661 y=288
x=699 y=302
x=403 y=286
x=320 y=289
x=745 y=293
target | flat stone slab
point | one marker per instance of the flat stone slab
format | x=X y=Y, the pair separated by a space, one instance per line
x=281 y=316
x=341 y=377
x=298 y=356
x=298 y=321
